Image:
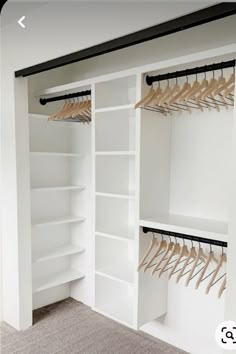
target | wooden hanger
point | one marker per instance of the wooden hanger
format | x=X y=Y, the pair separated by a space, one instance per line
x=227 y=83
x=168 y=249
x=181 y=93
x=200 y=257
x=150 y=94
x=162 y=245
x=210 y=258
x=175 y=250
x=152 y=244
x=222 y=287
x=221 y=261
x=183 y=253
x=154 y=97
x=192 y=255
x=64 y=107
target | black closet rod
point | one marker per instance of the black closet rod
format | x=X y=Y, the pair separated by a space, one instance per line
x=193 y=71
x=43 y=101
x=186 y=237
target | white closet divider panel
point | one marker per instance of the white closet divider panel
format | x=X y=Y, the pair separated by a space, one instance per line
x=114 y=300
x=153 y=291
x=114 y=259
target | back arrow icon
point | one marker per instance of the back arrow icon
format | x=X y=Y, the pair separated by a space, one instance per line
x=21 y=21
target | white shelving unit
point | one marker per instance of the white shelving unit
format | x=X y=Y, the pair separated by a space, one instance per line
x=127 y=169
x=59 y=162
x=115 y=191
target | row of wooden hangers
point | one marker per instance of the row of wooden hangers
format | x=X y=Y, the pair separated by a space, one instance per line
x=213 y=93
x=74 y=110
x=182 y=261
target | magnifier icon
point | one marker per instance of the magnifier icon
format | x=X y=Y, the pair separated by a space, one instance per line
x=229 y=335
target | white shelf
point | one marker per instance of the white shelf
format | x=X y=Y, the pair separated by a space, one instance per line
x=205 y=228
x=59 y=188
x=63 y=251
x=123 y=272
x=114 y=237
x=113 y=195
x=56 y=280
x=115 y=153
x=120 y=311
x=115 y=108
x=64 y=220
x=38 y=116
x=121 y=231
x=65 y=154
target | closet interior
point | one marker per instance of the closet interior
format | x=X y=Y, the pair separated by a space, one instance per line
x=129 y=161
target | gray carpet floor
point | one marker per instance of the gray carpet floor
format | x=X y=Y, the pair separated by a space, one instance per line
x=69 y=327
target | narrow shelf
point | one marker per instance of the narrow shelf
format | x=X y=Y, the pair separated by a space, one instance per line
x=119 y=231
x=64 y=220
x=115 y=195
x=114 y=237
x=120 y=311
x=63 y=251
x=123 y=272
x=59 y=188
x=115 y=153
x=115 y=108
x=206 y=228
x=67 y=276
x=38 y=116
x=42 y=153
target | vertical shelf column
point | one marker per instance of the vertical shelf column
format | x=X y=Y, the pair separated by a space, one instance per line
x=115 y=188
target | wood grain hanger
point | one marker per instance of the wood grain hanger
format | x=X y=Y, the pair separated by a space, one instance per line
x=162 y=246
x=154 y=242
x=191 y=255
x=175 y=251
x=200 y=257
x=183 y=253
x=169 y=247
x=211 y=258
x=221 y=261
x=149 y=95
x=222 y=288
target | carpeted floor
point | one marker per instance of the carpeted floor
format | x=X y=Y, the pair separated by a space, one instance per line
x=70 y=327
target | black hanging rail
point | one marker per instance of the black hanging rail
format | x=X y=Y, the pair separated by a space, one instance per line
x=44 y=101
x=186 y=237
x=194 y=71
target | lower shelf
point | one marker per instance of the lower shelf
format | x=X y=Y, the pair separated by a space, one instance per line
x=56 y=280
x=120 y=311
x=63 y=251
x=120 y=272
x=57 y=221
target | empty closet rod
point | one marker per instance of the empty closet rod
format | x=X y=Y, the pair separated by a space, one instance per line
x=186 y=237
x=43 y=101
x=194 y=71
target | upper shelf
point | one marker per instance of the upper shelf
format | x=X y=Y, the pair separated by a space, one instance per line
x=206 y=228
x=59 y=154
